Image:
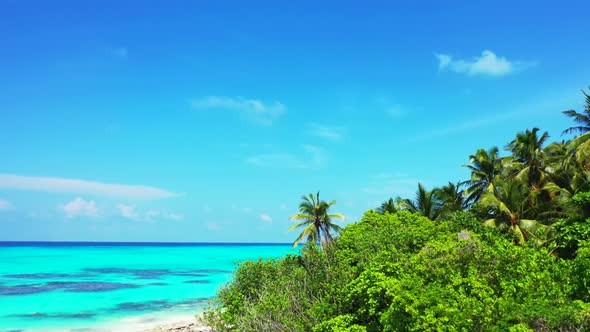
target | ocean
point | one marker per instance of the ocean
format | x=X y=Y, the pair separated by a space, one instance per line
x=74 y=286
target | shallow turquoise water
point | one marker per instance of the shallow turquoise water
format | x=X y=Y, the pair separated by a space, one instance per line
x=84 y=287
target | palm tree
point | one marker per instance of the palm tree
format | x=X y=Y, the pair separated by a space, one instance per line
x=389 y=206
x=580 y=146
x=484 y=166
x=510 y=203
x=567 y=171
x=451 y=197
x=527 y=160
x=426 y=203
x=581 y=118
x=317 y=222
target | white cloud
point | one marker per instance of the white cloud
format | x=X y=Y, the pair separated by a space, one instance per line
x=62 y=185
x=313 y=158
x=5 y=205
x=79 y=207
x=284 y=207
x=330 y=133
x=264 y=113
x=444 y=60
x=265 y=217
x=487 y=64
x=128 y=211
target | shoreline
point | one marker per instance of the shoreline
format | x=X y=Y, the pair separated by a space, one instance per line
x=184 y=326
x=187 y=322
x=154 y=322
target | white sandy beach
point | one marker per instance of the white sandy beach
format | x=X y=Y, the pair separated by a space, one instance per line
x=158 y=322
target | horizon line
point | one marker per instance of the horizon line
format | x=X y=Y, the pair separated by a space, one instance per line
x=130 y=243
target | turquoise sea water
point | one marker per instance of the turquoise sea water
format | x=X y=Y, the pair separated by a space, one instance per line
x=86 y=287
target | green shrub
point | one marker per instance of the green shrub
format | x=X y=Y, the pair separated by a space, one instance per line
x=343 y=323
x=582 y=200
x=403 y=272
x=569 y=234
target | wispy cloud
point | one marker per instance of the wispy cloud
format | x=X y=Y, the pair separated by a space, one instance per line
x=5 y=205
x=120 y=52
x=155 y=214
x=313 y=157
x=464 y=126
x=62 y=185
x=536 y=107
x=79 y=207
x=266 y=218
x=131 y=212
x=334 y=133
x=128 y=211
x=258 y=111
x=488 y=64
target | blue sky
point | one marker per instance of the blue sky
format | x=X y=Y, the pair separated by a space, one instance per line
x=207 y=120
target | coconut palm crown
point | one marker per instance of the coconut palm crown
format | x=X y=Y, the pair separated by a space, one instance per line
x=582 y=119
x=316 y=220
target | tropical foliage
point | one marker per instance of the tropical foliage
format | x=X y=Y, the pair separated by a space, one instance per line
x=389 y=206
x=404 y=272
x=508 y=249
x=426 y=203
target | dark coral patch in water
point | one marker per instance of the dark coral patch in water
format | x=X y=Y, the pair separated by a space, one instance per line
x=210 y=271
x=81 y=315
x=92 y=286
x=199 y=300
x=77 y=287
x=144 y=306
x=158 y=284
x=23 y=289
x=155 y=273
x=197 y=282
x=157 y=305
x=190 y=274
x=139 y=273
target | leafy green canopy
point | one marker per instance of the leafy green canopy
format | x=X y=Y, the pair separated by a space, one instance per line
x=404 y=272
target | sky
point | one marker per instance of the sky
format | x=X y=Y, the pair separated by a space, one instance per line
x=206 y=121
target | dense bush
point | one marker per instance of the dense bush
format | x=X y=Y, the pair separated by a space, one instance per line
x=403 y=272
